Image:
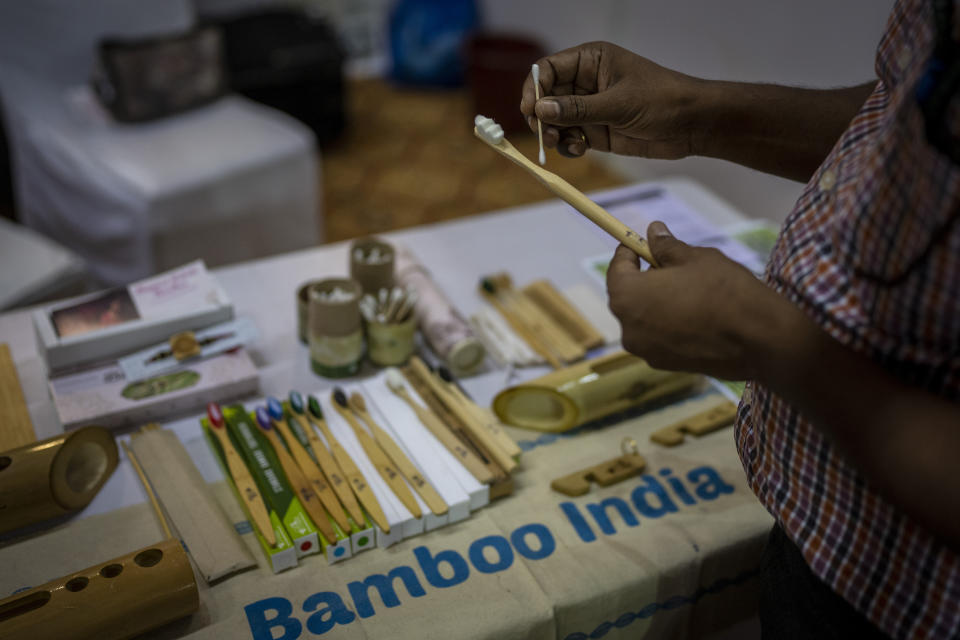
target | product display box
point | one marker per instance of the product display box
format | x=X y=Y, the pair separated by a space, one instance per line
x=101 y=326
x=102 y=395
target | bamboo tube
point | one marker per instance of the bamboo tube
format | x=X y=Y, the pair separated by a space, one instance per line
x=566 y=398
x=114 y=600
x=54 y=477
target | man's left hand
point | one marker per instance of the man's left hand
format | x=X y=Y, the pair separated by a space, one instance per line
x=699 y=311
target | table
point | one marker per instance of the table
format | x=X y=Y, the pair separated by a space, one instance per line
x=672 y=553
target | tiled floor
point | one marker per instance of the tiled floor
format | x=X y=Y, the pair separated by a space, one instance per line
x=409 y=157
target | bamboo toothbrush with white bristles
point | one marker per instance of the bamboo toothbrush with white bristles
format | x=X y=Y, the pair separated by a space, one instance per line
x=490 y=132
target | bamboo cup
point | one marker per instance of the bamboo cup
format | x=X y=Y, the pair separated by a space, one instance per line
x=54 y=477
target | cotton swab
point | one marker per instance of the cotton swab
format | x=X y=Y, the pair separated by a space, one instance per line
x=536 y=87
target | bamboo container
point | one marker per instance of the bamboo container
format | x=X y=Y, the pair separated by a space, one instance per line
x=113 y=600
x=587 y=391
x=54 y=477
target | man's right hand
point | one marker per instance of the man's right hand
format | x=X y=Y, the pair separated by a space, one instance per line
x=601 y=96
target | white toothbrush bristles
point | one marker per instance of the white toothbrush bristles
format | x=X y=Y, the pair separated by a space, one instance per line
x=536 y=87
x=488 y=129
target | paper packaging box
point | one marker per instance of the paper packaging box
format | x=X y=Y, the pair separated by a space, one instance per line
x=102 y=326
x=103 y=397
x=280 y=556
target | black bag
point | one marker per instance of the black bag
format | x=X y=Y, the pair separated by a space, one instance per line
x=287 y=60
x=146 y=79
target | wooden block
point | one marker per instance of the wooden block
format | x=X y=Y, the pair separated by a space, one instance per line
x=543 y=294
x=697 y=425
x=604 y=474
x=16 y=428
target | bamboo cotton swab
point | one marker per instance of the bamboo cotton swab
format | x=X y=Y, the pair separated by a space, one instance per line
x=536 y=87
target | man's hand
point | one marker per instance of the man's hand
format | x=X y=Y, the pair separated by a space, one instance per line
x=702 y=312
x=699 y=311
x=600 y=96
x=618 y=100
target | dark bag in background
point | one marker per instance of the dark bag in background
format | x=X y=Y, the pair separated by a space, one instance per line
x=149 y=78
x=291 y=62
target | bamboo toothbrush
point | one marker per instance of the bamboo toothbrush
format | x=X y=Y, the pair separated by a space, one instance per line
x=357 y=482
x=492 y=133
x=307 y=466
x=301 y=487
x=486 y=418
x=399 y=458
x=326 y=462
x=464 y=415
x=535 y=69
x=519 y=324
x=387 y=471
x=430 y=420
x=241 y=476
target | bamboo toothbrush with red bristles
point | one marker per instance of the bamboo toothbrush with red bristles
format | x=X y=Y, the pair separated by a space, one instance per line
x=242 y=479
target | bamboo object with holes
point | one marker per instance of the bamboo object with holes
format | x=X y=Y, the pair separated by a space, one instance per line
x=113 y=600
x=576 y=199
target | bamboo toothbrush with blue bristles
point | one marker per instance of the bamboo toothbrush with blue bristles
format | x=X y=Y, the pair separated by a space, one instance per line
x=490 y=132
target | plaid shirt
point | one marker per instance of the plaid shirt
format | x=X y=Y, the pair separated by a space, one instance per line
x=872 y=253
